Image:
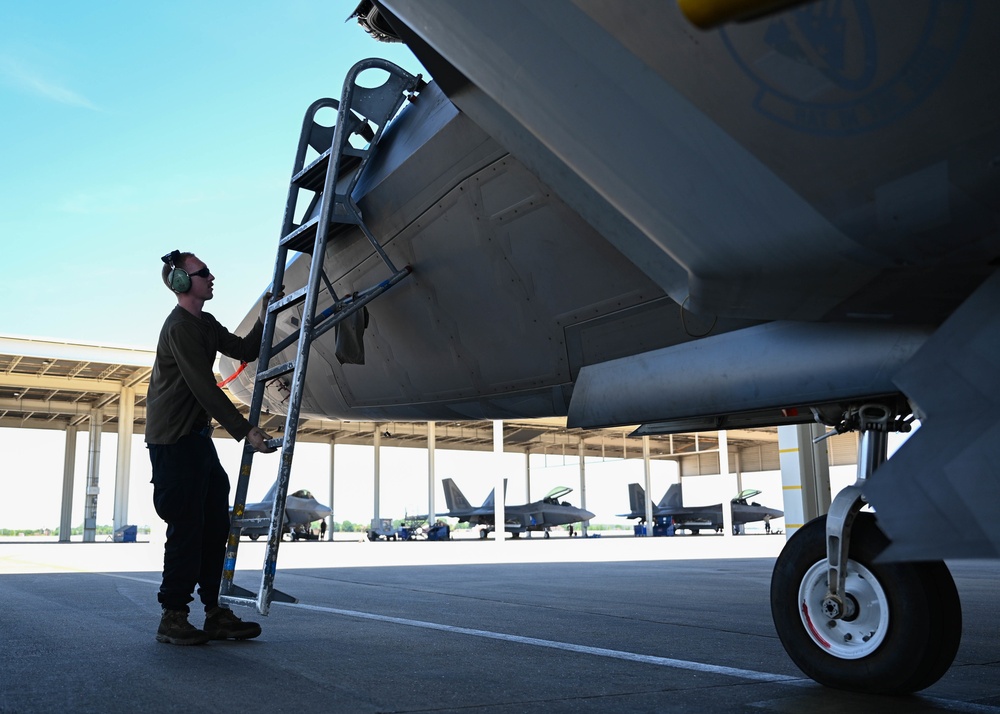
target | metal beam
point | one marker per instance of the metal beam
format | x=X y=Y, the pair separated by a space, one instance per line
x=74 y=384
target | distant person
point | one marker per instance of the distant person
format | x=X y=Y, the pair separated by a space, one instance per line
x=190 y=487
x=767 y=523
x=570 y=530
x=322 y=530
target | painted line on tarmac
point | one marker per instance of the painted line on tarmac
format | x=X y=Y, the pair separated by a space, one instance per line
x=946 y=704
x=552 y=644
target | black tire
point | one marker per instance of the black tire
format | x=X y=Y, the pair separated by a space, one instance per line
x=907 y=629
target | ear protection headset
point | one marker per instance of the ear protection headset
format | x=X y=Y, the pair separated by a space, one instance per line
x=178 y=279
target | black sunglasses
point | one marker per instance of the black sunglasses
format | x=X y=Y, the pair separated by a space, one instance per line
x=203 y=273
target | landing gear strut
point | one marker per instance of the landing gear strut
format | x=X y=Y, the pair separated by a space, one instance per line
x=849 y=621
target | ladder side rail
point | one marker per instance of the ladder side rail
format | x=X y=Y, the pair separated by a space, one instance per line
x=246 y=462
x=264 y=357
x=379 y=105
x=292 y=418
x=387 y=105
x=269 y=567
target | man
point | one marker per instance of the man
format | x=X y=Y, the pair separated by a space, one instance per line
x=190 y=487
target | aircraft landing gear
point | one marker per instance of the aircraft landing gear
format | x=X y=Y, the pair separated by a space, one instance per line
x=905 y=619
x=849 y=622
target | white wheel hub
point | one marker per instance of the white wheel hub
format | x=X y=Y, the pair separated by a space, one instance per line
x=863 y=633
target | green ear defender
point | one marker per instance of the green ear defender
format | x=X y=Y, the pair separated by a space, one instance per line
x=177 y=279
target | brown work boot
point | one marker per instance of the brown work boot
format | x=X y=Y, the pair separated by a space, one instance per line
x=176 y=630
x=222 y=624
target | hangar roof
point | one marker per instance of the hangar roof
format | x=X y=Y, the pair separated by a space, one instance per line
x=52 y=384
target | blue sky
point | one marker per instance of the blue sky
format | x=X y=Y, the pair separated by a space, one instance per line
x=133 y=128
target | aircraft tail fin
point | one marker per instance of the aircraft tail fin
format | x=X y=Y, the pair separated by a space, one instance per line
x=454 y=498
x=672 y=497
x=636 y=498
x=488 y=503
x=271 y=493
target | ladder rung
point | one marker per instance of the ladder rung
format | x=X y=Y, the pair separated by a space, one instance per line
x=302 y=238
x=235 y=600
x=313 y=176
x=252 y=522
x=275 y=443
x=242 y=596
x=290 y=300
x=277 y=371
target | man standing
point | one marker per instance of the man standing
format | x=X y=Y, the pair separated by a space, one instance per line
x=190 y=487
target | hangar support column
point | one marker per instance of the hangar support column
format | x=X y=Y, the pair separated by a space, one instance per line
x=646 y=485
x=499 y=493
x=69 y=468
x=123 y=467
x=431 y=445
x=527 y=474
x=805 y=475
x=333 y=509
x=728 y=482
x=583 y=486
x=377 y=470
x=93 y=477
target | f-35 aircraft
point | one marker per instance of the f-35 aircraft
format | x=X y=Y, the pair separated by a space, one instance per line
x=301 y=509
x=618 y=213
x=695 y=518
x=536 y=516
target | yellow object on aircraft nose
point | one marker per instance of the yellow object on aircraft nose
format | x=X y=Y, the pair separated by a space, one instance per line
x=707 y=14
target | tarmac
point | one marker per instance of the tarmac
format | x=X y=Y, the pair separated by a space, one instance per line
x=611 y=624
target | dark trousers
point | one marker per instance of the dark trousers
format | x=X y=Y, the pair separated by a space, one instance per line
x=191 y=493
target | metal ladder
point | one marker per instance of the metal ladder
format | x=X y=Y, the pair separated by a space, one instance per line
x=332 y=178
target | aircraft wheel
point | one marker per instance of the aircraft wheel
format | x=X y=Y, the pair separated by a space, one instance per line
x=483 y=534
x=904 y=634
x=255 y=536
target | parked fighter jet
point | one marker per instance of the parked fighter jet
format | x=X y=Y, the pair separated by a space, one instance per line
x=605 y=213
x=695 y=518
x=537 y=516
x=301 y=509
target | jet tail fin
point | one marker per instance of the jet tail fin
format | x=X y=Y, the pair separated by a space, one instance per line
x=636 y=498
x=488 y=503
x=271 y=493
x=672 y=497
x=454 y=498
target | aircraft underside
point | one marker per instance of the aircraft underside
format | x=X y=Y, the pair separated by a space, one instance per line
x=612 y=215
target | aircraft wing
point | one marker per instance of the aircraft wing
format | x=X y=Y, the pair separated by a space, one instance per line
x=682 y=514
x=759 y=232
